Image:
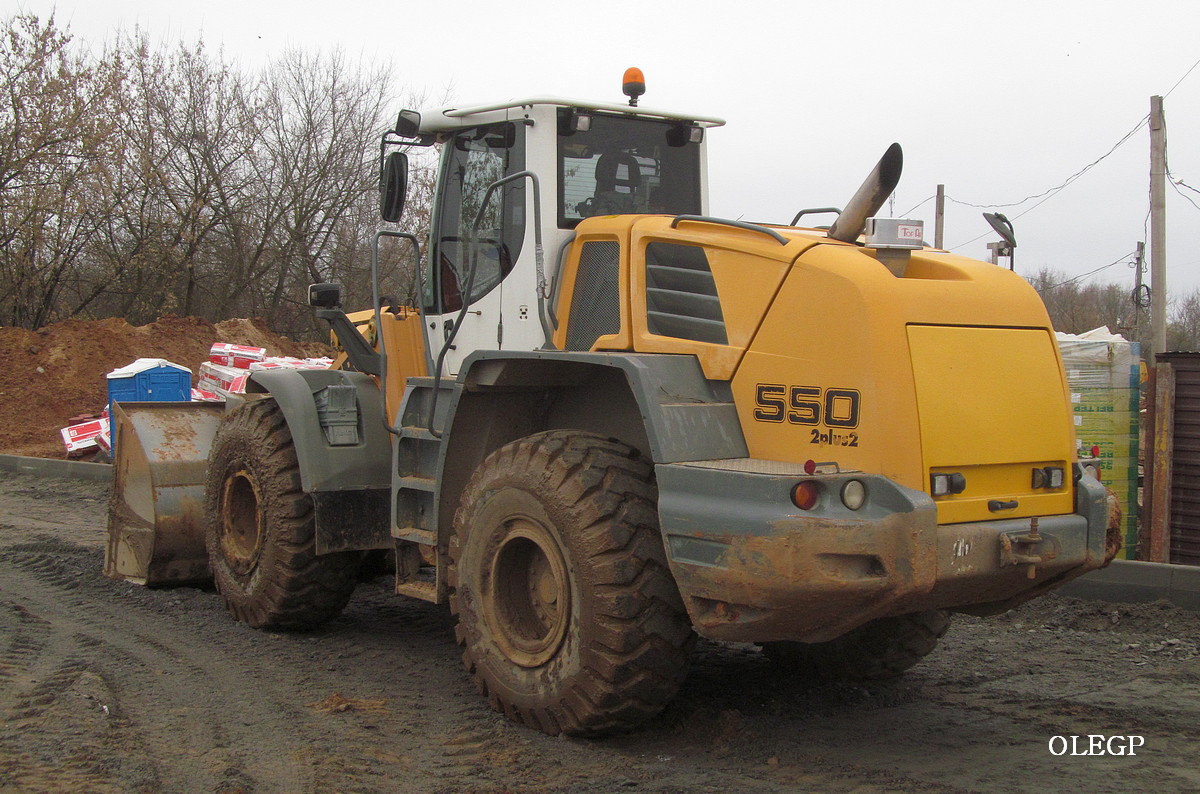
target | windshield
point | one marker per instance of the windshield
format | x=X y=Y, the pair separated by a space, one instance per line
x=625 y=165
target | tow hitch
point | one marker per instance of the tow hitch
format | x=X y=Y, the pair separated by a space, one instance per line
x=1027 y=548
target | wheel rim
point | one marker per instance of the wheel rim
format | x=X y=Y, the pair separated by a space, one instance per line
x=527 y=602
x=241 y=523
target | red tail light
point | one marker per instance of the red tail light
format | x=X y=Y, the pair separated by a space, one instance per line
x=805 y=494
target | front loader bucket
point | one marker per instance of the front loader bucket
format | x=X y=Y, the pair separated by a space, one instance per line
x=156 y=515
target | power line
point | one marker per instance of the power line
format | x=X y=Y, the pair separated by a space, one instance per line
x=1177 y=183
x=1186 y=197
x=1050 y=193
x=1068 y=180
x=1093 y=272
x=920 y=203
x=1181 y=79
x=1054 y=191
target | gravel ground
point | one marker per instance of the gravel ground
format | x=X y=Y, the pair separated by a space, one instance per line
x=107 y=686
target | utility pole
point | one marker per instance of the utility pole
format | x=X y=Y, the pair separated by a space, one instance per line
x=939 y=219
x=1158 y=226
x=1139 y=298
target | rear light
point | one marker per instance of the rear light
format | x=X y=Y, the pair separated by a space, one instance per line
x=1051 y=477
x=854 y=494
x=946 y=484
x=805 y=494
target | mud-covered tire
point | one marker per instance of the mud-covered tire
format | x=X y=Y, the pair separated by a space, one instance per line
x=259 y=527
x=568 y=617
x=883 y=648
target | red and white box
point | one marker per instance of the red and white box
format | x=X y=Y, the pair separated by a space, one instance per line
x=205 y=396
x=239 y=356
x=214 y=377
x=104 y=440
x=82 y=438
x=288 y=362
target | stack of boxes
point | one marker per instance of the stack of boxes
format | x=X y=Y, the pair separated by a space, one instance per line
x=157 y=380
x=1104 y=376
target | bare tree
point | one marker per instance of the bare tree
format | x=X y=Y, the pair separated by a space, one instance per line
x=1075 y=308
x=1183 y=327
x=55 y=143
x=154 y=180
x=321 y=118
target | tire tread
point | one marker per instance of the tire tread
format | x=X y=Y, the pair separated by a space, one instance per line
x=296 y=588
x=636 y=652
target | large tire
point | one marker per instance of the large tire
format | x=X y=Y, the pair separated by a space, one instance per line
x=883 y=648
x=568 y=617
x=260 y=533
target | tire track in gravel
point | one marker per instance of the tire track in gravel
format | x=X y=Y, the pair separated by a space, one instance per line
x=219 y=706
x=197 y=702
x=157 y=667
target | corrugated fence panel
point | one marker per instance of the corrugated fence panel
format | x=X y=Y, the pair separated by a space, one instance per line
x=1185 y=456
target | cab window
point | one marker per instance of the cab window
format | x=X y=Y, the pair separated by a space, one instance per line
x=477 y=158
x=622 y=165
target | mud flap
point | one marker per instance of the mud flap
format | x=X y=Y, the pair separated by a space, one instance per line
x=156 y=514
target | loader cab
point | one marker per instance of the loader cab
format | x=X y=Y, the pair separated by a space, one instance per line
x=567 y=161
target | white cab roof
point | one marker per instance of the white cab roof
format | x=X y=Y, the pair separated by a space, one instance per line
x=439 y=119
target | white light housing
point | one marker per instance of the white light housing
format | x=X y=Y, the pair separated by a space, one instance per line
x=854 y=494
x=1050 y=477
x=946 y=484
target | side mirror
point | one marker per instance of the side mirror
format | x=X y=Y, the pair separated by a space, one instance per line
x=393 y=185
x=408 y=124
x=324 y=296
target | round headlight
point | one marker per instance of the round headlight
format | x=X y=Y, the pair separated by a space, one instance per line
x=854 y=494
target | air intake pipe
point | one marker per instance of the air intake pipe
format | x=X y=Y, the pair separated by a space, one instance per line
x=870 y=197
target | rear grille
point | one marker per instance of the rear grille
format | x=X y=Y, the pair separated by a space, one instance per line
x=681 y=294
x=596 y=304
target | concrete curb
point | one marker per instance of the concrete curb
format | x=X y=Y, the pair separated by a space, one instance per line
x=49 y=467
x=1131 y=582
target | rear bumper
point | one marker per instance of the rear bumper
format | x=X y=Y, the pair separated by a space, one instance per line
x=753 y=568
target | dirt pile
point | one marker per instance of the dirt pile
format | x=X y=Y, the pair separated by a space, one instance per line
x=55 y=373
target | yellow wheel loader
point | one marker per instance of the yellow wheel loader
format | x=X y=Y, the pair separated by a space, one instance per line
x=614 y=422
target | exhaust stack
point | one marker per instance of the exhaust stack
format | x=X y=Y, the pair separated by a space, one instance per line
x=870 y=196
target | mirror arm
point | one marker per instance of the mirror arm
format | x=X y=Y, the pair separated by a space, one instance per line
x=361 y=355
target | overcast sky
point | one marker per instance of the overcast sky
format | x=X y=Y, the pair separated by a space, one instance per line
x=998 y=101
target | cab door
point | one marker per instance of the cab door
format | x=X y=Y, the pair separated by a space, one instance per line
x=467 y=264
